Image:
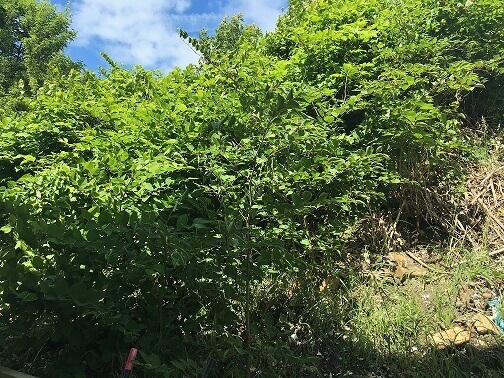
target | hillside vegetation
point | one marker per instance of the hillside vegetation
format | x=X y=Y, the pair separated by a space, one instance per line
x=194 y=214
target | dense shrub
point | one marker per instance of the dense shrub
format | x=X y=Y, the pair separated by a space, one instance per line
x=141 y=209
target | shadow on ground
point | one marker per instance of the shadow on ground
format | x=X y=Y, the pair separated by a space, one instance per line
x=360 y=359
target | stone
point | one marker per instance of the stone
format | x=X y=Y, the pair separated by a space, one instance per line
x=453 y=336
x=402 y=272
x=484 y=324
x=417 y=271
x=399 y=258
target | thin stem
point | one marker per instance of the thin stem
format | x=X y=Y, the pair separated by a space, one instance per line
x=247 y=316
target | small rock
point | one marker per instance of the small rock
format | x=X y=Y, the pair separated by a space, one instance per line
x=417 y=271
x=487 y=295
x=453 y=336
x=483 y=324
x=402 y=272
x=399 y=258
x=481 y=343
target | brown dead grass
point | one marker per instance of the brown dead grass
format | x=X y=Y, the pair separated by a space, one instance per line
x=484 y=206
x=427 y=215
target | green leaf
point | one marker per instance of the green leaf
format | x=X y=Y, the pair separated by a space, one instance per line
x=301 y=360
x=182 y=221
x=105 y=218
x=61 y=288
x=122 y=155
x=179 y=364
x=305 y=162
x=26 y=296
x=200 y=222
x=181 y=107
x=6 y=229
x=151 y=359
x=323 y=196
x=307 y=195
x=37 y=262
x=78 y=292
x=232 y=121
x=93 y=235
x=296 y=199
x=269 y=320
x=240 y=351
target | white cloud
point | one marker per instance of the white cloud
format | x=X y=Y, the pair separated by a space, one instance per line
x=194 y=22
x=134 y=32
x=145 y=31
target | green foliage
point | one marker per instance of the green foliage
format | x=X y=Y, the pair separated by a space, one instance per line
x=400 y=70
x=147 y=210
x=133 y=192
x=32 y=38
x=229 y=35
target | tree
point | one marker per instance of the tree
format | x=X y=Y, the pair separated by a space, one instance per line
x=228 y=37
x=32 y=38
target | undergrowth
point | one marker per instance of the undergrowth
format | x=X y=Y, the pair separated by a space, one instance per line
x=384 y=326
x=242 y=210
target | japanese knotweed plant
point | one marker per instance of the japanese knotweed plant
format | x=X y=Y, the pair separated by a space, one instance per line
x=142 y=209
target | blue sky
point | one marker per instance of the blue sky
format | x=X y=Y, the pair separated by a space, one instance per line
x=145 y=31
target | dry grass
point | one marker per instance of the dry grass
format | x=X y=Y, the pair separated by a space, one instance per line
x=455 y=236
x=484 y=205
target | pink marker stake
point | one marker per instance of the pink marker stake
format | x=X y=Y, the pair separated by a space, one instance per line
x=129 y=364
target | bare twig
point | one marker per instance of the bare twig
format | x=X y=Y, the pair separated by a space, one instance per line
x=499 y=235
x=394 y=226
x=500 y=189
x=496 y=203
x=491 y=174
x=475 y=199
x=490 y=214
x=418 y=260
x=496 y=252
